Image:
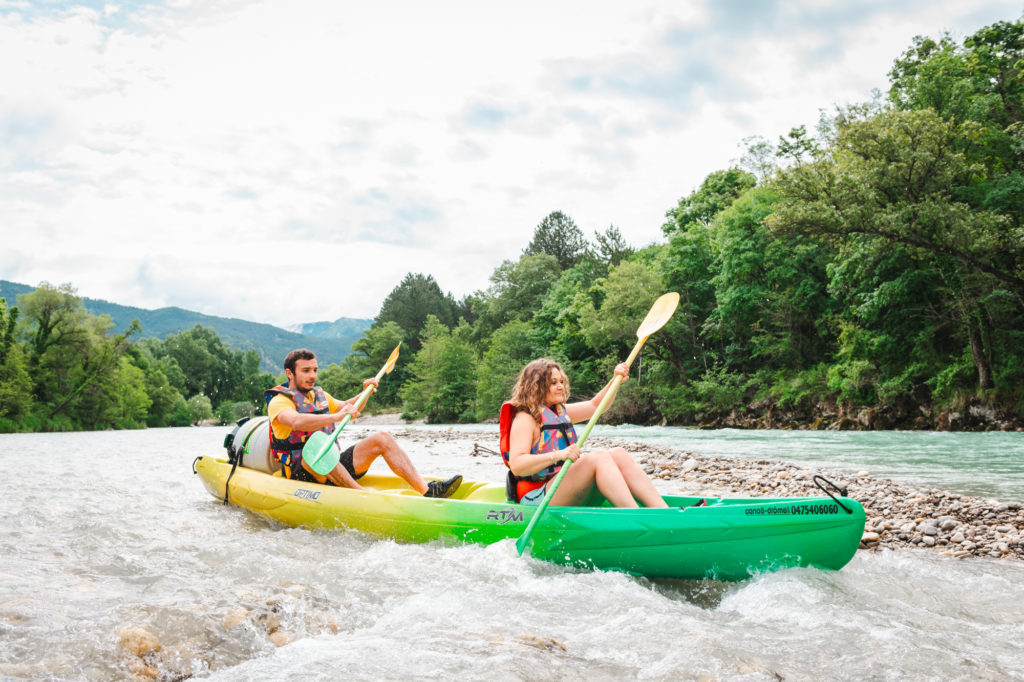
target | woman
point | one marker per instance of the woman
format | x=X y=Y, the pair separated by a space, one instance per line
x=537 y=436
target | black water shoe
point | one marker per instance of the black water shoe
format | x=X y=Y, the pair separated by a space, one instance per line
x=443 y=488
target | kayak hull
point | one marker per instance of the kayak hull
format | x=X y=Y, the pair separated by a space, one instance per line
x=729 y=539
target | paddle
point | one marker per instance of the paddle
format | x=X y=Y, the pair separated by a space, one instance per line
x=660 y=313
x=319 y=451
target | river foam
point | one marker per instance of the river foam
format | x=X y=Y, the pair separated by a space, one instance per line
x=229 y=596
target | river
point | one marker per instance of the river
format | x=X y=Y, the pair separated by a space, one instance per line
x=111 y=530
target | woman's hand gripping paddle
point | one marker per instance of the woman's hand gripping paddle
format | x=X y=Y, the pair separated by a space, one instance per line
x=660 y=313
x=319 y=451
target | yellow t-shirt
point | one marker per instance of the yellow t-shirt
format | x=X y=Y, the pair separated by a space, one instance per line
x=281 y=402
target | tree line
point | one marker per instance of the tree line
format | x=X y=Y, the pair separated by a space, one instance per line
x=871 y=271
x=62 y=369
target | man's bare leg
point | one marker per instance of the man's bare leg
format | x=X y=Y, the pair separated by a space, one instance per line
x=382 y=444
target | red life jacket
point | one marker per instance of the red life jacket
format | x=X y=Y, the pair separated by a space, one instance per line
x=556 y=433
x=288 y=451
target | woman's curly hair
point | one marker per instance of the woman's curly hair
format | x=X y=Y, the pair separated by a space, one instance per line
x=532 y=386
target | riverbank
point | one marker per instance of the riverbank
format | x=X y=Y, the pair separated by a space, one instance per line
x=899 y=516
x=907 y=415
x=765 y=414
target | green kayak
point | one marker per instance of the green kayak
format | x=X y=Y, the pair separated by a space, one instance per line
x=728 y=539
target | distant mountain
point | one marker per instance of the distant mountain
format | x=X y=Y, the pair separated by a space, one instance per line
x=342 y=328
x=331 y=341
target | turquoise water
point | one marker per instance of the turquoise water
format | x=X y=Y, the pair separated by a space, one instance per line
x=989 y=464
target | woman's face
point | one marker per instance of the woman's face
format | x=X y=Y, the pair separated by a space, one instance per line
x=556 y=388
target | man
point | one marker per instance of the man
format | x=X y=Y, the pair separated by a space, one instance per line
x=300 y=407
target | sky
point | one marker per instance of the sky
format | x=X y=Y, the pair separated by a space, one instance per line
x=290 y=161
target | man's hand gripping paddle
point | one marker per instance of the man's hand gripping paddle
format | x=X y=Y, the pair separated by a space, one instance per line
x=660 y=313
x=319 y=451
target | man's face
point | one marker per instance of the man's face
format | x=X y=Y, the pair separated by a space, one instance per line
x=304 y=376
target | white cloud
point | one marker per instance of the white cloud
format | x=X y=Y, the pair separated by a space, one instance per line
x=292 y=161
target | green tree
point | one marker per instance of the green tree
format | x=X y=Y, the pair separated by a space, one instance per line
x=340 y=382
x=760 y=158
x=686 y=265
x=74 y=361
x=629 y=290
x=517 y=288
x=246 y=382
x=102 y=392
x=932 y=74
x=890 y=181
x=197 y=361
x=229 y=413
x=771 y=299
x=54 y=319
x=981 y=81
x=611 y=248
x=369 y=354
x=181 y=415
x=200 y=409
x=8 y=324
x=130 y=402
x=558 y=235
x=204 y=361
x=512 y=347
x=15 y=382
x=409 y=304
x=556 y=324
x=716 y=193
x=162 y=397
x=456 y=394
x=441 y=387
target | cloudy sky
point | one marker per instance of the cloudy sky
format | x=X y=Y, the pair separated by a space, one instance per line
x=288 y=161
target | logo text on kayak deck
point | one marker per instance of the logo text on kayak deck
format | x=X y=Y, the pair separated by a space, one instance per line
x=307 y=494
x=795 y=510
x=503 y=516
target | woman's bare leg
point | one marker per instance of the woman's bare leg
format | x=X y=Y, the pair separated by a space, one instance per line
x=640 y=484
x=596 y=468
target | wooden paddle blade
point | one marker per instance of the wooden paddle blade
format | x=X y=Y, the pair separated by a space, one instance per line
x=392 y=359
x=320 y=454
x=660 y=313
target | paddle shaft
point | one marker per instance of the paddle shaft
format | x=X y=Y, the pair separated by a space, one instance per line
x=360 y=402
x=608 y=397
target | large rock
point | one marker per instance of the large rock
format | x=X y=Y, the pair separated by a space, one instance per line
x=137 y=641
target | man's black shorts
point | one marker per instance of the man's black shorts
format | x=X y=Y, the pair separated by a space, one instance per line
x=299 y=473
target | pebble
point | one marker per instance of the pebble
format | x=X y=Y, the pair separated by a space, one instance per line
x=540 y=642
x=281 y=637
x=234 y=617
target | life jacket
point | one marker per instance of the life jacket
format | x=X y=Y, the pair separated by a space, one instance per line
x=288 y=451
x=556 y=433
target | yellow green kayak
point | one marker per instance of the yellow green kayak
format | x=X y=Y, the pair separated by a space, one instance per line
x=728 y=539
